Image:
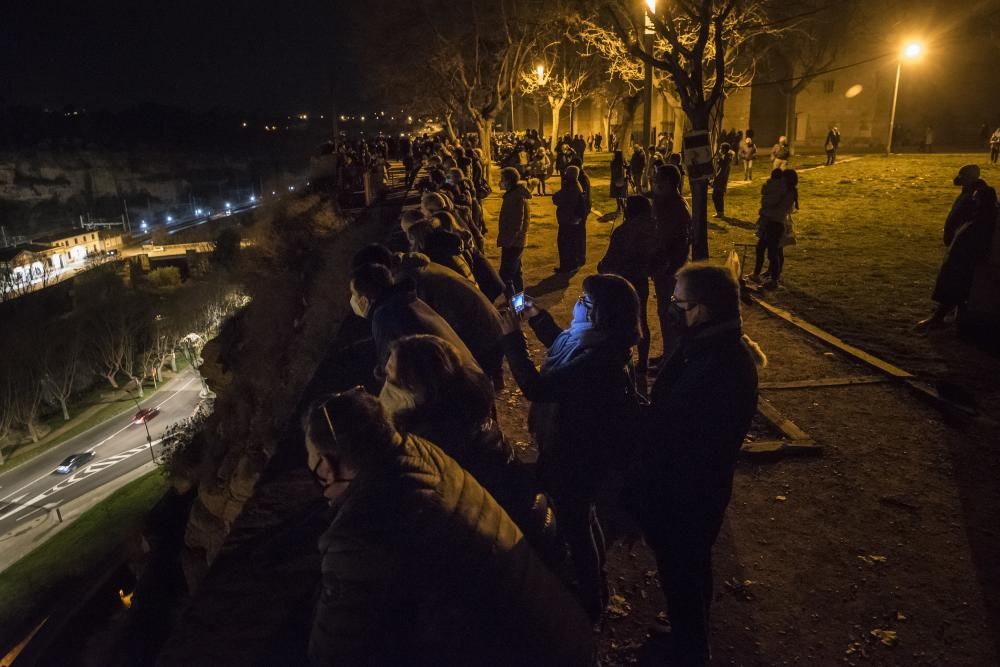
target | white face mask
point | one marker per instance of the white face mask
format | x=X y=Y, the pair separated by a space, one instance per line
x=396 y=399
x=360 y=305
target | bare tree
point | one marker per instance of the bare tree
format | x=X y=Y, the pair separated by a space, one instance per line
x=61 y=361
x=27 y=392
x=699 y=44
x=561 y=70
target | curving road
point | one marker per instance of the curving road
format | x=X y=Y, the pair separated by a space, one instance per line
x=33 y=488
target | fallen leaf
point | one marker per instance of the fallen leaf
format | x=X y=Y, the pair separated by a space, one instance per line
x=781 y=498
x=885 y=637
x=618 y=607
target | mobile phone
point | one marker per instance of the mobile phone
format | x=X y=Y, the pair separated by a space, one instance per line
x=518 y=302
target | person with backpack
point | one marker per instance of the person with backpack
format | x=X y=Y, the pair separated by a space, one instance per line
x=780 y=153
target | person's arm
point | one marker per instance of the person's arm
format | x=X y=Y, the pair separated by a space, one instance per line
x=551 y=385
x=545 y=327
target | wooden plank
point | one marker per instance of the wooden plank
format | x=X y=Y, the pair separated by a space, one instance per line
x=830 y=339
x=824 y=382
x=789 y=428
x=766 y=449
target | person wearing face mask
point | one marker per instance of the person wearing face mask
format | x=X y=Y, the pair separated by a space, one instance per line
x=577 y=399
x=394 y=311
x=420 y=565
x=702 y=403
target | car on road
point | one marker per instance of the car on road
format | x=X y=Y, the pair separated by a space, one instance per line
x=72 y=462
x=144 y=415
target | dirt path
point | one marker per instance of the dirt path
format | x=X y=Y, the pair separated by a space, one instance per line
x=882 y=533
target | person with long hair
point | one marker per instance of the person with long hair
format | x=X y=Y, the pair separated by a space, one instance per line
x=578 y=401
x=570 y=214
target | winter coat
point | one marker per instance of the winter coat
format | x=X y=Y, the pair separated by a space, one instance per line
x=512 y=228
x=575 y=409
x=673 y=224
x=629 y=251
x=619 y=181
x=487 y=277
x=569 y=201
x=398 y=312
x=463 y=307
x=446 y=249
x=748 y=151
x=702 y=404
x=776 y=200
x=971 y=241
x=636 y=167
x=421 y=566
x=780 y=152
x=723 y=165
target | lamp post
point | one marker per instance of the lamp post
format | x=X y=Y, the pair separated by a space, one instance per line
x=149 y=437
x=911 y=51
x=647 y=110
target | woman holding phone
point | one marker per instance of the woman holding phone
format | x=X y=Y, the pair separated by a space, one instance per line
x=578 y=398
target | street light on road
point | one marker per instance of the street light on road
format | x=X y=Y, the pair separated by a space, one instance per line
x=911 y=51
x=149 y=437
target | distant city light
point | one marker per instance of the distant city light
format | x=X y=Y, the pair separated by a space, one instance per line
x=409 y=119
x=253 y=197
x=273 y=193
x=244 y=123
x=291 y=187
x=228 y=205
x=144 y=224
x=170 y=218
x=362 y=119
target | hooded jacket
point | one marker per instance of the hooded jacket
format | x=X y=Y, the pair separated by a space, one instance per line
x=512 y=228
x=421 y=566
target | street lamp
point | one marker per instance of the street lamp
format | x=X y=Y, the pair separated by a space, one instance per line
x=911 y=51
x=540 y=73
x=647 y=111
x=149 y=437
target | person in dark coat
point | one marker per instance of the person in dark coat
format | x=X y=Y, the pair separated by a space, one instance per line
x=628 y=256
x=578 y=399
x=672 y=218
x=442 y=246
x=580 y=232
x=420 y=565
x=570 y=213
x=512 y=227
x=466 y=309
x=701 y=406
x=636 y=168
x=452 y=405
x=395 y=311
x=832 y=145
x=968 y=233
x=776 y=202
x=619 y=180
x=720 y=182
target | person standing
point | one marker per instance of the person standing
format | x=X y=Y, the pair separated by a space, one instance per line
x=628 y=256
x=780 y=153
x=775 y=202
x=720 y=182
x=619 y=180
x=748 y=153
x=636 y=168
x=832 y=144
x=577 y=406
x=672 y=219
x=581 y=230
x=512 y=227
x=540 y=165
x=702 y=404
x=419 y=562
x=929 y=139
x=598 y=139
x=968 y=233
x=570 y=212
x=994 y=146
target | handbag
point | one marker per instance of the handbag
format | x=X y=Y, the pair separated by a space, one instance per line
x=788 y=237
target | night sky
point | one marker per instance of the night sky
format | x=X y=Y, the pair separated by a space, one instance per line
x=242 y=56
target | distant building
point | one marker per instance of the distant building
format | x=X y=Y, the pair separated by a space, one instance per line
x=72 y=247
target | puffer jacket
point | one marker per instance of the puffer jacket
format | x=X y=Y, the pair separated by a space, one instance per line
x=446 y=248
x=465 y=308
x=421 y=566
x=512 y=228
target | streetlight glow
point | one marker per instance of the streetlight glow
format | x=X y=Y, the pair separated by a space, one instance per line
x=652 y=6
x=540 y=71
x=913 y=50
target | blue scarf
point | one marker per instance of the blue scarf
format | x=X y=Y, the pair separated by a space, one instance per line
x=578 y=336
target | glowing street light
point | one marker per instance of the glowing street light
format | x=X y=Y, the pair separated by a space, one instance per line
x=911 y=51
x=540 y=73
x=170 y=218
x=253 y=198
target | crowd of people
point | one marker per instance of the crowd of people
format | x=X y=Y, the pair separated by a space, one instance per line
x=445 y=547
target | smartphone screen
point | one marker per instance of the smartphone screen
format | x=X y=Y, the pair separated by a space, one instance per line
x=517 y=302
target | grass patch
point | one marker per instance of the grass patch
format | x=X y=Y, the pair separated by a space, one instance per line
x=31 y=584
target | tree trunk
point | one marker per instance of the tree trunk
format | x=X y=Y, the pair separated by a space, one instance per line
x=699 y=196
x=484 y=128
x=624 y=128
x=541 y=119
x=556 y=108
x=65 y=410
x=450 y=129
x=111 y=378
x=32 y=430
x=790 y=98
x=138 y=386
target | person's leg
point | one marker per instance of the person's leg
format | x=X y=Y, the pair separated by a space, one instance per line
x=565 y=246
x=717 y=202
x=773 y=259
x=576 y=521
x=758 y=262
x=518 y=278
x=508 y=265
x=642 y=290
x=580 y=234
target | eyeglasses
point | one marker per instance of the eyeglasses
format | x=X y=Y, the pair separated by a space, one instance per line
x=674 y=299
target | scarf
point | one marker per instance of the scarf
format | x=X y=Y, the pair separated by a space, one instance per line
x=578 y=336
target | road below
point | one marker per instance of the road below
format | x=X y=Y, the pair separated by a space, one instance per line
x=33 y=488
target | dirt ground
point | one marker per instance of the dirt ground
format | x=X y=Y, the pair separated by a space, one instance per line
x=882 y=551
